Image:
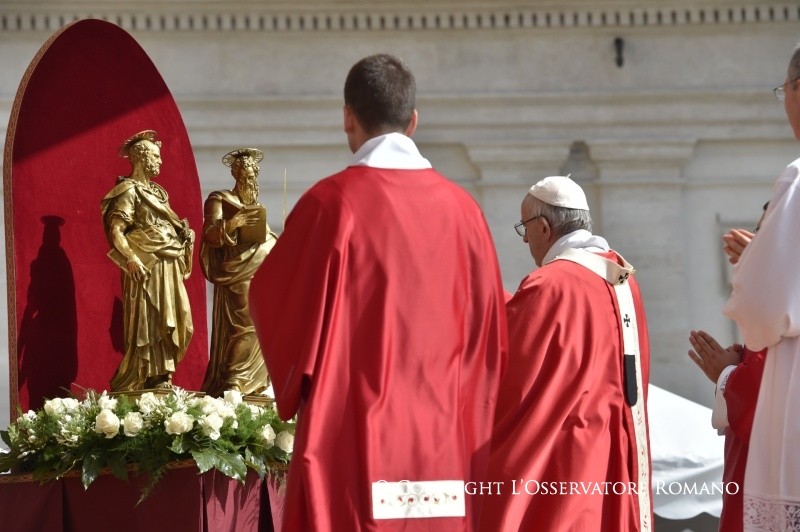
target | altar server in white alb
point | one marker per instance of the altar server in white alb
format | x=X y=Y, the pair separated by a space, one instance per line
x=766 y=306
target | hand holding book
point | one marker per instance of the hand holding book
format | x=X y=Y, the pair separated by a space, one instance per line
x=251 y=222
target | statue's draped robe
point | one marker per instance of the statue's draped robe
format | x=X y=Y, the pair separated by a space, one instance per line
x=157 y=318
x=236 y=360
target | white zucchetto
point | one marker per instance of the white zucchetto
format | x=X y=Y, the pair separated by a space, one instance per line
x=560 y=191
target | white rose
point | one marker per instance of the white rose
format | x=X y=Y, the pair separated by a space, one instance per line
x=209 y=404
x=269 y=435
x=70 y=404
x=225 y=410
x=132 y=423
x=106 y=403
x=217 y=406
x=193 y=401
x=107 y=423
x=148 y=402
x=211 y=425
x=54 y=407
x=29 y=416
x=285 y=441
x=178 y=423
x=233 y=397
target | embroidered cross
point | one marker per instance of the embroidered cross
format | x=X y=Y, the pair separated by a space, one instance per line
x=627 y=321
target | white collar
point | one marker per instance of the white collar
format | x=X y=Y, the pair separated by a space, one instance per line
x=393 y=150
x=580 y=239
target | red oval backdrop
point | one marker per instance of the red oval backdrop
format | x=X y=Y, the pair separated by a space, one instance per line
x=89 y=88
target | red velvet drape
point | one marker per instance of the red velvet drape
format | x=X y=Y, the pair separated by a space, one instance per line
x=89 y=88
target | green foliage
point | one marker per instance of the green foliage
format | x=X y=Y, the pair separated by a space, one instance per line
x=146 y=434
x=91 y=469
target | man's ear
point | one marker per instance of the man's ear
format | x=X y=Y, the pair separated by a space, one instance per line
x=412 y=124
x=547 y=231
x=348 y=119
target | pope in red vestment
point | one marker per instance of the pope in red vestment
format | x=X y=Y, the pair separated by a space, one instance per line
x=569 y=452
x=380 y=313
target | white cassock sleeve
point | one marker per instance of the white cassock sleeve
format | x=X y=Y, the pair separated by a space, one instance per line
x=766 y=281
x=719 y=414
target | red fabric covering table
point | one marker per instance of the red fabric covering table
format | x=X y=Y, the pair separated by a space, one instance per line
x=183 y=501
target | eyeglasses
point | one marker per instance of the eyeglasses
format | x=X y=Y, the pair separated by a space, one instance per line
x=520 y=227
x=780 y=91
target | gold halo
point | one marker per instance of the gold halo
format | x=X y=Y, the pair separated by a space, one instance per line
x=147 y=134
x=256 y=154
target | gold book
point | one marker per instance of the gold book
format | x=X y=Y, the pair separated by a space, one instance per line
x=257 y=233
x=148 y=259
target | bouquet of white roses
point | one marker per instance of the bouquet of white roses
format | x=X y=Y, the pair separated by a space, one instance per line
x=114 y=432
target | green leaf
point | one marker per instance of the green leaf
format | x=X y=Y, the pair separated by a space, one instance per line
x=7 y=461
x=256 y=461
x=118 y=466
x=4 y=434
x=232 y=465
x=179 y=445
x=90 y=470
x=205 y=459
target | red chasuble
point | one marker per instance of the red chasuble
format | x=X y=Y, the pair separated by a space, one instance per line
x=741 y=396
x=564 y=445
x=380 y=313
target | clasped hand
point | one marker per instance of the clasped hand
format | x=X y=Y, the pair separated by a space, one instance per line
x=711 y=357
x=735 y=241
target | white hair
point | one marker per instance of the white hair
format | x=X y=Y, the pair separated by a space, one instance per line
x=794 y=63
x=561 y=219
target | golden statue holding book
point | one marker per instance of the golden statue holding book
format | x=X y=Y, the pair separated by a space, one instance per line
x=153 y=246
x=236 y=239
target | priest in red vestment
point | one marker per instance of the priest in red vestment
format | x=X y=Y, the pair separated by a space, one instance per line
x=570 y=444
x=737 y=373
x=381 y=316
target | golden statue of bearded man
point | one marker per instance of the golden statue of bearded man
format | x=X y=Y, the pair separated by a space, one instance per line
x=236 y=240
x=153 y=246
